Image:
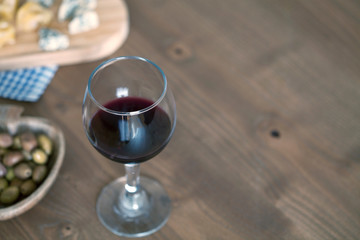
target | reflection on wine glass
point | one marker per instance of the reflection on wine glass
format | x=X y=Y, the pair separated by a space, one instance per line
x=129 y=116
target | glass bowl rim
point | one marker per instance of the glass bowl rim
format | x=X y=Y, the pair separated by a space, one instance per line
x=131 y=113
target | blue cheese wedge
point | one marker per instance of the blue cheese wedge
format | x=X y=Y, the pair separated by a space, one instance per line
x=84 y=20
x=44 y=3
x=68 y=8
x=7 y=33
x=52 y=40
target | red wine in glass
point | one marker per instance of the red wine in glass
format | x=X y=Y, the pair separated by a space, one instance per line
x=130 y=139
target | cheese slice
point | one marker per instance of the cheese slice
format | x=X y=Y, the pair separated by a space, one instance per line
x=52 y=40
x=31 y=16
x=7 y=9
x=7 y=33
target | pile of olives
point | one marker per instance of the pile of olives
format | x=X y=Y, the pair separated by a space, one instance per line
x=23 y=164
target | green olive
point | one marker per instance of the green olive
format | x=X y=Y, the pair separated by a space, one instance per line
x=39 y=156
x=10 y=174
x=16 y=182
x=17 y=142
x=3 y=184
x=45 y=143
x=6 y=140
x=12 y=158
x=23 y=171
x=3 y=151
x=28 y=141
x=27 y=187
x=39 y=173
x=9 y=195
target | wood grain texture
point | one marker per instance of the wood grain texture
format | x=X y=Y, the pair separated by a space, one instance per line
x=92 y=45
x=239 y=70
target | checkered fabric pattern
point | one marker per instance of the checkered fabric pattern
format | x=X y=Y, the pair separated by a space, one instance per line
x=26 y=84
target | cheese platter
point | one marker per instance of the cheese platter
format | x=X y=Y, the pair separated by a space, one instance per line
x=96 y=43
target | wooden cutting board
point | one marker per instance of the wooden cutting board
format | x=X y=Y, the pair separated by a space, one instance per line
x=95 y=44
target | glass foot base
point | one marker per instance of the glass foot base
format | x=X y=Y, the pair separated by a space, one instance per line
x=138 y=225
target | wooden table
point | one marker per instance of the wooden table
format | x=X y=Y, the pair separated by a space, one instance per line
x=267 y=144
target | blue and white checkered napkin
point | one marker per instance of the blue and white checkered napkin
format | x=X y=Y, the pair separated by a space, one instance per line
x=26 y=84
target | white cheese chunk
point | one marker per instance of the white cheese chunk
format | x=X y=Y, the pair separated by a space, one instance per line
x=84 y=20
x=68 y=8
x=52 y=40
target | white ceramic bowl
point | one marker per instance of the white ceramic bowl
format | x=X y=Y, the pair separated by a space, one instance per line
x=55 y=162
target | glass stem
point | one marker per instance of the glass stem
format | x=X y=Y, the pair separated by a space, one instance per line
x=132 y=178
x=133 y=199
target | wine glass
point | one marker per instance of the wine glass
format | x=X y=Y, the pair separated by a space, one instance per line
x=129 y=116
